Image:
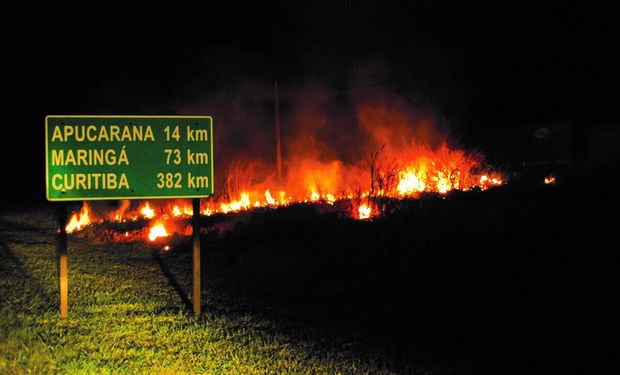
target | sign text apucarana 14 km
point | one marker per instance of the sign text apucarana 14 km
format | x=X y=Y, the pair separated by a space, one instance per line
x=128 y=157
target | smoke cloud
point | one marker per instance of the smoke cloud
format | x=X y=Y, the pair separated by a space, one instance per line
x=328 y=133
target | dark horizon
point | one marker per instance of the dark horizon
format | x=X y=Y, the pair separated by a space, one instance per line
x=488 y=72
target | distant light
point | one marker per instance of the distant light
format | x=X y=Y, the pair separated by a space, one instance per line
x=549 y=180
x=542 y=133
x=167 y=248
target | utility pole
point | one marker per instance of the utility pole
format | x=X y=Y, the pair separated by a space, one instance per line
x=278 y=147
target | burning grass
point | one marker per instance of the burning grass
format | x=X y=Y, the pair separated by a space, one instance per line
x=404 y=174
x=385 y=149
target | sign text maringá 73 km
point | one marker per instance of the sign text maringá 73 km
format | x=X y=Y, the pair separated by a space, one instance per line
x=128 y=157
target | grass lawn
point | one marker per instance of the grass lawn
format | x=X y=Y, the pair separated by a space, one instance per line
x=125 y=317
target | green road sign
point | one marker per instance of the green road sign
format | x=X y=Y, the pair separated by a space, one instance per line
x=128 y=157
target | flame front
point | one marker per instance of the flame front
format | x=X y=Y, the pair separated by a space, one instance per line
x=409 y=157
x=415 y=171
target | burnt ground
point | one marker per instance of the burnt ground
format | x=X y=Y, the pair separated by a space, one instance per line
x=518 y=279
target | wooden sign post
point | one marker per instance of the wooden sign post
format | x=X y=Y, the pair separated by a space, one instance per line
x=61 y=252
x=196 y=245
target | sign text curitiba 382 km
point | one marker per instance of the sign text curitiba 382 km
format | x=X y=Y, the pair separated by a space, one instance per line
x=128 y=157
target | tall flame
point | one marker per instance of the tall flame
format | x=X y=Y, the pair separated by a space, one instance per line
x=268 y=198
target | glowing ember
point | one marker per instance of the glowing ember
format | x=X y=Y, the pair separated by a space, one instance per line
x=158 y=230
x=147 y=211
x=486 y=182
x=79 y=220
x=549 y=180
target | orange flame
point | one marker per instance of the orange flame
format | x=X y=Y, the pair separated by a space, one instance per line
x=411 y=181
x=242 y=204
x=415 y=170
x=79 y=220
x=188 y=210
x=487 y=182
x=410 y=158
x=364 y=212
x=147 y=211
x=550 y=180
x=176 y=210
x=269 y=199
x=157 y=230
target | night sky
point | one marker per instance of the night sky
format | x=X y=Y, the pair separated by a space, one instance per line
x=486 y=70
